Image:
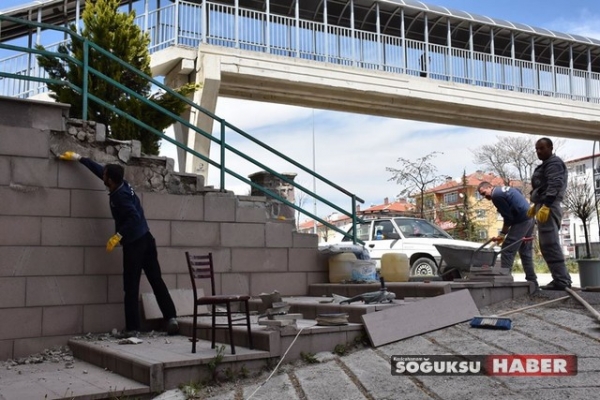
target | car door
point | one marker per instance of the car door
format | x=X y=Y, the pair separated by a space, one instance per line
x=383 y=237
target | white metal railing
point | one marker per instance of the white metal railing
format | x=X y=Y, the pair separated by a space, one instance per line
x=189 y=24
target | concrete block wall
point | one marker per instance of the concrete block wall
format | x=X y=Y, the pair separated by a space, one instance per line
x=56 y=279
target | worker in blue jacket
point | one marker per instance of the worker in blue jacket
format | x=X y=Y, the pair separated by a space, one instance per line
x=549 y=183
x=139 y=246
x=517 y=225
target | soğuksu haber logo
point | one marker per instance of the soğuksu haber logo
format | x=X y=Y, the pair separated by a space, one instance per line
x=531 y=365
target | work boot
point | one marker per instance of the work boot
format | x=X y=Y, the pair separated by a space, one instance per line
x=555 y=286
x=536 y=288
x=172 y=327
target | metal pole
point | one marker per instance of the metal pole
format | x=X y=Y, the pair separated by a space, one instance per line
x=315 y=230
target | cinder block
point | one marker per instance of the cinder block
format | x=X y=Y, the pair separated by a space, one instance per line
x=257 y=214
x=103 y=317
x=242 y=235
x=76 y=231
x=74 y=175
x=173 y=207
x=288 y=284
x=90 y=204
x=27 y=347
x=310 y=240
x=115 y=291
x=278 y=234
x=66 y=290
x=27 y=261
x=24 y=142
x=317 y=277
x=20 y=322
x=305 y=259
x=41 y=115
x=98 y=262
x=12 y=292
x=4 y=170
x=24 y=231
x=235 y=284
x=6 y=349
x=219 y=207
x=259 y=260
x=18 y=200
x=34 y=172
x=194 y=234
x=62 y=320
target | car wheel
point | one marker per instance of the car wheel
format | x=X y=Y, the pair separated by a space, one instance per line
x=423 y=266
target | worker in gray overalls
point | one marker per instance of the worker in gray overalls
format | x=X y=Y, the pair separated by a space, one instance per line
x=549 y=182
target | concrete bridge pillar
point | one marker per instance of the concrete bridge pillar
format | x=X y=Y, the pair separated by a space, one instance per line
x=207 y=74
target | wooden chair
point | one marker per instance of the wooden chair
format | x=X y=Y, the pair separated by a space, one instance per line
x=201 y=267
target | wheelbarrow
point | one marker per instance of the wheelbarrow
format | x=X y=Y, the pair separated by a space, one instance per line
x=465 y=262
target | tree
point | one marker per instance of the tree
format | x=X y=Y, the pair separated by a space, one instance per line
x=511 y=158
x=580 y=200
x=116 y=32
x=415 y=177
x=465 y=226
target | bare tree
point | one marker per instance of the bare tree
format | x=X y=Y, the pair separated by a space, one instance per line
x=580 y=200
x=415 y=177
x=511 y=158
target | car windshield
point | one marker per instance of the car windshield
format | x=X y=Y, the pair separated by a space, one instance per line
x=414 y=227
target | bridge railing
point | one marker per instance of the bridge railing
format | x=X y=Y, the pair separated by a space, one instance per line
x=226 y=152
x=189 y=24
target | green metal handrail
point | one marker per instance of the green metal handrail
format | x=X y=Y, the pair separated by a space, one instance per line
x=86 y=97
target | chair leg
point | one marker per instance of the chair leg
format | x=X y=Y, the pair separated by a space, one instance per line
x=213 y=329
x=248 y=325
x=194 y=329
x=230 y=326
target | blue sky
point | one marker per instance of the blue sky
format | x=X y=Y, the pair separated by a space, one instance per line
x=344 y=156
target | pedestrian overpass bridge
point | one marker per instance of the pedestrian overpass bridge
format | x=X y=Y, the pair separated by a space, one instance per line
x=399 y=59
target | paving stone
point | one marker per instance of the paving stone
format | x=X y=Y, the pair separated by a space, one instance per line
x=327 y=381
x=277 y=388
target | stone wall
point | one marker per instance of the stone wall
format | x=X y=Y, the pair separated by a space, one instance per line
x=56 y=279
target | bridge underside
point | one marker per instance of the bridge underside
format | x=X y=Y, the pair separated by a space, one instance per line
x=276 y=79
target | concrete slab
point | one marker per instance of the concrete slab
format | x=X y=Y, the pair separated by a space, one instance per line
x=327 y=381
x=419 y=317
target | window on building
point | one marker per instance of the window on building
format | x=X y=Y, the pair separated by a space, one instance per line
x=480 y=214
x=482 y=233
x=580 y=169
x=450 y=198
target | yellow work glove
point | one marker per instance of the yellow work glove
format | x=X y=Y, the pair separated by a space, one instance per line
x=113 y=241
x=531 y=211
x=543 y=214
x=70 y=156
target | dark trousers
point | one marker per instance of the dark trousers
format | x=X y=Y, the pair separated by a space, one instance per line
x=525 y=249
x=137 y=256
x=550 y=245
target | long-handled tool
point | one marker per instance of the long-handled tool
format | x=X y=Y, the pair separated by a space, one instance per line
x=587 y=305
x=498 y=322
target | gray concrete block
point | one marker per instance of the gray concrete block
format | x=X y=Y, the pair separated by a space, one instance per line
x=42 y=115
x=277 y=388
x=306 y=260
x=62 y=320
x=98 y=262
x=310 y=240
x=4 y=170
x=28 y=346
x=27 y=201
x=278 y=234
x=235 y=284
x=24 y=142
x=24 y=231
x=39 y=261
x=161 y=230
x=90 y=204
x=66 y=290
x=339 y=385
x=256 y=213
x=34 y=172
x=242 y=235
x=20 y=322
x=12 y=292
x=196 y=234
x=103 y=317
x=288 y=284
x=219 y=206
x=74 y=175
x=259 y=260
x=76 y=231
x=173 y=207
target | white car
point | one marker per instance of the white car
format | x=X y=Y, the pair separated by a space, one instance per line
x=414 y=237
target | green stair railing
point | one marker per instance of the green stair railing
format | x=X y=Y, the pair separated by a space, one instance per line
x=89 y=71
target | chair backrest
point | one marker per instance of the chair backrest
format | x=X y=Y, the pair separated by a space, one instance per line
x=201 y=267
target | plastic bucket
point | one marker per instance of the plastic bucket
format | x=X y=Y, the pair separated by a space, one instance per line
x=394 y=267
x=340 y=267
x=364 y=270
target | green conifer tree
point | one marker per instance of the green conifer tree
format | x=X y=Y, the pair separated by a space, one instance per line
x=116 y=32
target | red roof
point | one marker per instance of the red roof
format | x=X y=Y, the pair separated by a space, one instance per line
x=473 y=179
